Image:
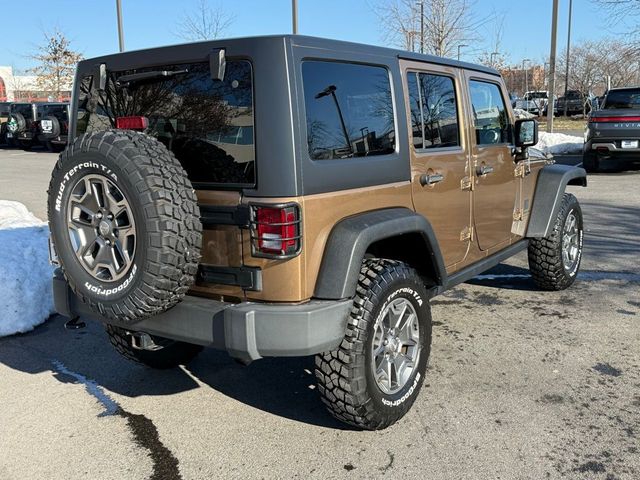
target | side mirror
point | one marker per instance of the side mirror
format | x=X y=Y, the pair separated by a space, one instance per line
x=526 y=132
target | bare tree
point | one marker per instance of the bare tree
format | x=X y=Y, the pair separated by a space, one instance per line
x=56 y=63
x=445 y=24
x=204 y=23
x=495 y=58
x=624 y=12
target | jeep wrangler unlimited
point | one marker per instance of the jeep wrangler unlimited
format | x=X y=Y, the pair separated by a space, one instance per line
x=288 y=196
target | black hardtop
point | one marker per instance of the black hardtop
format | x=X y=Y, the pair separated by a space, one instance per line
x=159 y=55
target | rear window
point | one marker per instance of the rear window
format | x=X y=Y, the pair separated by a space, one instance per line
x=349 y=110
x=58 y=111
x=25 y=109
x=622 y=99
x=4 y=109
x=208 y=124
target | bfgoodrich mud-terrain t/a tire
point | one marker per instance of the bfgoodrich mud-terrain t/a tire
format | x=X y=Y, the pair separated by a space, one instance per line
x=374 y=377
x=554 y=261
x=172 y=353
x=125 y=224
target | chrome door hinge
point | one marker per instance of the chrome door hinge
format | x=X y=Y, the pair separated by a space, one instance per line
x=466 y=183
x=522 y=169
x=518 y=215
x=466 y=234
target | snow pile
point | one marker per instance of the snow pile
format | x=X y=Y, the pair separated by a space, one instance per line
x=520 y=113
x=26 y=299
x=559 y=143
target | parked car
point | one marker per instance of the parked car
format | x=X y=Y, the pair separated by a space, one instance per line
x=288 y=196
x=613 y=132
x=53 y=125
x=534 y=101
x=21 y=126
x=4 y=117
x=576 y=102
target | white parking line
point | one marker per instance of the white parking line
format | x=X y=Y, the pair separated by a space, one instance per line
x=579 y=164
x=23 y=153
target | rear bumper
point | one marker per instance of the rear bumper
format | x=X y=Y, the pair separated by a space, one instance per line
x=59 y=140
x=608 y=147
x=247 y=331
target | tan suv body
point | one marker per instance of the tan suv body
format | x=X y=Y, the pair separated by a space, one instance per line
x=322 y=170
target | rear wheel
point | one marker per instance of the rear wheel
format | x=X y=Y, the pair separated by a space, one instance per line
x=554 y=261
x=170 y=353
x=375 y=375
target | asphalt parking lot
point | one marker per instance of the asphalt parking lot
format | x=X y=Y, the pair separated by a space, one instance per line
x=522 y=384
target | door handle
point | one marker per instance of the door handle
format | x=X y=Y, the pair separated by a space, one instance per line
x=483 y=170
x=431 y=179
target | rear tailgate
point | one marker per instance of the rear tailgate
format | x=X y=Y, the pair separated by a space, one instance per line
x=617 y=125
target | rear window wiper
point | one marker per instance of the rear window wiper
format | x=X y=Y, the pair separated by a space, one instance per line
x=126 y=80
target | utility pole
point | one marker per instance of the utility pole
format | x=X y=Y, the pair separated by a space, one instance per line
x=552 y=66
x=120 y=30
x=422 y=27
x=566 y=72
x=294 y=15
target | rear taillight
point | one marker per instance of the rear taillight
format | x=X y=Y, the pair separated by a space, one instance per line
x=132 y=123
x=613 y=119
x=275 y=230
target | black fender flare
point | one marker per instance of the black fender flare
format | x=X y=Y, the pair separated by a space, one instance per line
x=552 y=182
x=350 y=238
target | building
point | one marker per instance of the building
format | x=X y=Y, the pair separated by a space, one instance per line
x=519 y=80
x=23 y=88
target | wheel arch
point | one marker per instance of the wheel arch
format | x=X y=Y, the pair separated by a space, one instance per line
x=393 y=233
x=550 y=188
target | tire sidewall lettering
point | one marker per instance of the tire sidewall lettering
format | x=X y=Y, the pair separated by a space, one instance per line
x=71 y=173
x=410 y=390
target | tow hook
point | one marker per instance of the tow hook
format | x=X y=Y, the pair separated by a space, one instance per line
x=143 y=341
x=74 y=324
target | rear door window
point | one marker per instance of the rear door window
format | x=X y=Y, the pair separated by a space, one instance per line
x=208 y=124
x=490 y=117
x=434 y=113
x=349 y=110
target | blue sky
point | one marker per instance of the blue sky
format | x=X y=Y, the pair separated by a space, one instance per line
x=91 y=24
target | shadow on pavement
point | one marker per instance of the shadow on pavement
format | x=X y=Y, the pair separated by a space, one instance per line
x=281 y=386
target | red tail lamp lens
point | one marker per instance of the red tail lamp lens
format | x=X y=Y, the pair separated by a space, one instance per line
x=276 y=231
x=132 y=123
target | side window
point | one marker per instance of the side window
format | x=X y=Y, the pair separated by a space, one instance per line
x=490 y=117
x=434 y=113
x=349 y=110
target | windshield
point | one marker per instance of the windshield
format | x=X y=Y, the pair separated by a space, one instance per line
x=22 y=108
x=206 y=123
x=622 y=99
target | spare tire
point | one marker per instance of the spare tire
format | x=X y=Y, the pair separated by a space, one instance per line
x=55 y=130
x=125 y=224
x=16 y=123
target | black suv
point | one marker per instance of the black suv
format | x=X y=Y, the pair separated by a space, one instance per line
x=20 y=126
x=4 y=117
x=53 y=125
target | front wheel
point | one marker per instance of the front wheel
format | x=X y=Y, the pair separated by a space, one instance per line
x=554 y=260
x=375 y=375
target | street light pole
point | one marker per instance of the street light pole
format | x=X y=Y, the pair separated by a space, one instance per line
x=566 y=72
x=120 y=30
x=552 y=66
x=459 y=46
x=294 y=15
